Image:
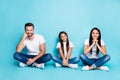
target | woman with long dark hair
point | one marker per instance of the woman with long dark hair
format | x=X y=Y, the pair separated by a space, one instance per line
x=64 y=47
x=92 y=47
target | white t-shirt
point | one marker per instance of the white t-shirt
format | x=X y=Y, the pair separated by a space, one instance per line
x=64 y=46
x=94 y=49
x=33 y=46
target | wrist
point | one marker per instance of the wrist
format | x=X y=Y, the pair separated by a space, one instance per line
x=63 y=58
x=34 y=59
x=67 y=59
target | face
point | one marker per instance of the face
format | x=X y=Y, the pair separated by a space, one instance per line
x=63 y=37
x=95 y=34
x=29 y=31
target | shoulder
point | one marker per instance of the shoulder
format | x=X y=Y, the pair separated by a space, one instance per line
x=39 y=38
x=58 y=45
x=86 y=41
x=39 y=35
x=71 y=44
x=102 y=42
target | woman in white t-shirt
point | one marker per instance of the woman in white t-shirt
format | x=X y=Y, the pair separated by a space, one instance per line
x=92 y=47
x=64 y=47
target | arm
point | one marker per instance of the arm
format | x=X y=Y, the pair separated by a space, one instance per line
x=69 y=54
x=61 y=53
x=65 y=62
x=101 y=48
x=20 y=46
x=88 y=48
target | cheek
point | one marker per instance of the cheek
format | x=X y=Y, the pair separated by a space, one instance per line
x=27 y=31
x=31 y=32
x=97 y=35
x=93 y=35
x=62 y=38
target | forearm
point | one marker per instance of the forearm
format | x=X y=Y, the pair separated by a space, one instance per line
x=62 y=56
x=69 y=54
x=88 y=49
x=102 y=50
x=61 y=53
x=20 y=45
x=39 y=55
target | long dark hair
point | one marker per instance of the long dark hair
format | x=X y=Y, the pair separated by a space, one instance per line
x=61 y=41
x=91 y=39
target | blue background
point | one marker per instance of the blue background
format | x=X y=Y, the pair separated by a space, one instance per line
x=76 y=17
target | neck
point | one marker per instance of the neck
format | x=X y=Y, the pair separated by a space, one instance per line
x=31 y=38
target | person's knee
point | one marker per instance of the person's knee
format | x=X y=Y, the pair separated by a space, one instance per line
x=82 y=56
x=107 y=57
x=15 y=55
x=77 y=59
x=48 y=56
x=54 y=58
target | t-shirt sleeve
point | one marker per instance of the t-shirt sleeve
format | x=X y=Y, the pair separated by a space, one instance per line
x=42 y=40
x=58 y=45
x=102 y=42
x=71 y=45
x=86 y=42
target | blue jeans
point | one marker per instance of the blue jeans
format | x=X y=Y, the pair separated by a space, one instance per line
x=94 y=62
x=74 y=60
x=24 y=57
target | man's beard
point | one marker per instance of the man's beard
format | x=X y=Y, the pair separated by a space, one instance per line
x=30 y=35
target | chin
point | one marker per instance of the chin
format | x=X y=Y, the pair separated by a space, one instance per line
x=30 y=35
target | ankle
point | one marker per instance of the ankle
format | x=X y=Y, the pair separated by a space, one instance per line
x=91 y=67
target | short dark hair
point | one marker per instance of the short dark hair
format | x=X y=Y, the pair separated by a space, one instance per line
x=29 y=24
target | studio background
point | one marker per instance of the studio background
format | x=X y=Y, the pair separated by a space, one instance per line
x=76 y=17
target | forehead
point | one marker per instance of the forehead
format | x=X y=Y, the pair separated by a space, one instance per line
x=63 y=34
x=95 y=31
x=29 y=27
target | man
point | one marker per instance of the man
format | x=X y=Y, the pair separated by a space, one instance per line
x=36 y=47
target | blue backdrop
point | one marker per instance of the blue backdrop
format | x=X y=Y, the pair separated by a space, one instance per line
x=76 y=17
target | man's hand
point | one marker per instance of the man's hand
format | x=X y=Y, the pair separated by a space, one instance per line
x=24 y=35
x=30 y=61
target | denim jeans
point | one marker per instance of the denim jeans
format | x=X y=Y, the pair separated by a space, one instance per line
x=94 y=62
x=24 y=57
x=74 y=60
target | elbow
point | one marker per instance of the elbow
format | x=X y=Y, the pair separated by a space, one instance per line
x=85 y=52
x=43 y=52
x=17 y=49
x=104 y=52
